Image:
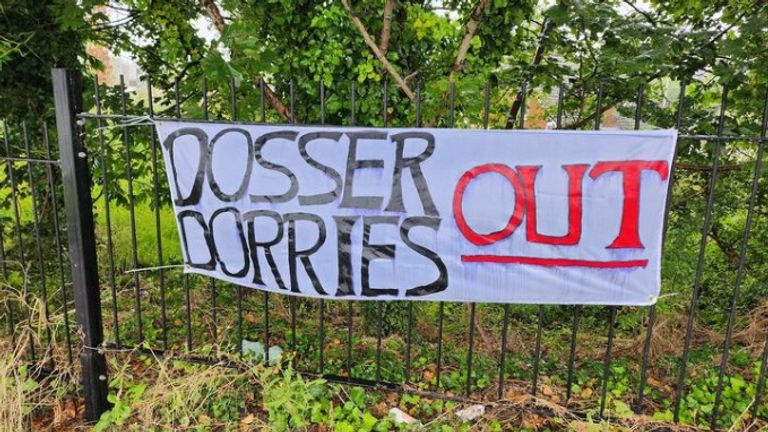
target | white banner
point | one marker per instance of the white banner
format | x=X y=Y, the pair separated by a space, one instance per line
x=544 y=217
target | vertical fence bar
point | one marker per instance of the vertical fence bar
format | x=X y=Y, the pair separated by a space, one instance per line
x=292 y=89
x=187 y=311
x=652 y=310
x=292 y=299
x=214 y=319
x=441 y=310
x=132 y=215
x=486 y=104
x=607 y=359
x=57 y=240
x=599 y=106
x=8 y=304
x=384 y=103
x=440 y=319
x=184 y=276
x=612 y=310
x=409 y=329
x=20 y=239
x=472 y=311
x=761 y=379
x=451 y=103
x=418 y=105
x=503 y=354
x=158 y=230
x=472 y=306
x=741 y=269
x=408 y=342
x=560 y=97
x=352 y=120
x=764 y=358
x=263 y=110
x=205 y=98
x=292 y=310
x=523 y=97
x=212 y=281
x=575 y=318
x=349 y=340
x=107 y=212
x=321 y=343
x=379 y=305
x=667 y=206
x=572 y=354
x=239 y=290
x=539 y=308
x=266 y=326
x=262 y=105
x=321 y=365
x=38 y=239
x=679 y=390
x=379 y=319
x=82 y=244
x=537 y=349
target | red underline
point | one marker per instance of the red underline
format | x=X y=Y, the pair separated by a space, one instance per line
x=552 y=262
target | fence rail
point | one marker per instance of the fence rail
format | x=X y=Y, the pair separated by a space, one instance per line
x=116 y=222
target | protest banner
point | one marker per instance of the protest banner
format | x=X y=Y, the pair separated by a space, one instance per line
x=544 y=217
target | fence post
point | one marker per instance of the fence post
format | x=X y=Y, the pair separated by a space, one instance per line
x=76 y=178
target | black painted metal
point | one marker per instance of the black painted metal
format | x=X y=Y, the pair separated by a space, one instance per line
x=503 y=351
x=680 y=388
x=741 y=269
x=128 y=147
x=59 y=250
x=38 y=240
x=19 y=239
x=471 y=351
x=107 y=212
x=572 y=354
x=764 y=358
x=442 y=347
x=667 y=206
x=607 y=359
x=158 y=230
x=76 y=176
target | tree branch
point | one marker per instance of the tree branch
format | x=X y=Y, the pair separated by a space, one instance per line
x=377 y=52
x=546 y=27
x=728 y=250
x=215 y=14
x=269 y=94
x=754 y=9
x=386 y=28
x=685 y=166
x=461 y=55
x=466 y=41
x=645 y=14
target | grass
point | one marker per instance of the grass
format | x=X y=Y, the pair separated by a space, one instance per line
x=175 y=392
x=168 y=393
x=146 y=234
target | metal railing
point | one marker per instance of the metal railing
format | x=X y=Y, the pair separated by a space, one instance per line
x=151 y=305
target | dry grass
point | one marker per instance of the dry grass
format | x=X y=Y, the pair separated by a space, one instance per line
x=32 y=394
x=13 y=397
x=669 y=332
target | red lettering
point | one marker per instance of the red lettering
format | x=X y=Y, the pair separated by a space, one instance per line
x=514 y=219
x=575 y=181
x=629 y=236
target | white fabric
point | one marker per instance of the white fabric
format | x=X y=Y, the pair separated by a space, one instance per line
x=487 y=204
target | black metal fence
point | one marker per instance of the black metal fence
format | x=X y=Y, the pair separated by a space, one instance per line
x=129 y=292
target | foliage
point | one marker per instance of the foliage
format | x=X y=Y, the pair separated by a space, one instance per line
x=34 y=37
x=296 y=46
